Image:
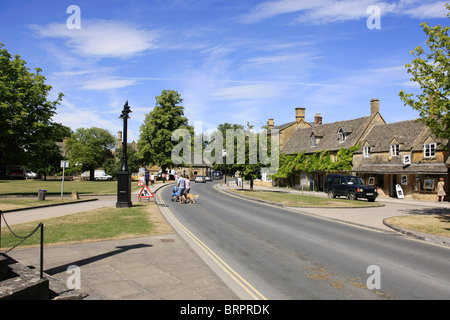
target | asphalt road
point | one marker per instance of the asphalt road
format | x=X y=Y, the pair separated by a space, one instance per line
x=267 y=252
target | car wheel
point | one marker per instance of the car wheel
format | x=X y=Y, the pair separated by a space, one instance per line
x=352 y=195
x=331 y=194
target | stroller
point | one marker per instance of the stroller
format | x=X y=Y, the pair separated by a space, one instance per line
x=175 y=193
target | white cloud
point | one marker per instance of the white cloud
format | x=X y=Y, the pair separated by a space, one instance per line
x=102 y=38
x=107 y=83
x=256 y=91
x=428 y=10
x=328 y=11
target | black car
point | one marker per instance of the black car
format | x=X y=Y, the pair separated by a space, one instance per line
x=352 y=187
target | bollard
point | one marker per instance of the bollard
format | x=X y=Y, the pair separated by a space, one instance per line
x=41 y=194
x=75 y=195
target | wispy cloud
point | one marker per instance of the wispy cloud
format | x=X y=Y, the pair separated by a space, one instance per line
x=329 y=11
x=107 y=84
x=102 y=38
x=255 y=91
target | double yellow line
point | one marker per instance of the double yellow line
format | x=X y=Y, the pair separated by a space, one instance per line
x=255 y=294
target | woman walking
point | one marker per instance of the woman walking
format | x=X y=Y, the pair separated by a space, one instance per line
x=441 y=190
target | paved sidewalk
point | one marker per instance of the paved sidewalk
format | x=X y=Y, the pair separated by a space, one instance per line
x=162 y=267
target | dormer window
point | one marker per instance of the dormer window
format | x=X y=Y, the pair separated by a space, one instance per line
x=366 y=151
x=313 y=140
x=341 y=135
x=395 y=150
x=429 y=150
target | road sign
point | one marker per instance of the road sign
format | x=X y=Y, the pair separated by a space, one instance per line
x=64 y=164
x=145 y=193
x=399 y=190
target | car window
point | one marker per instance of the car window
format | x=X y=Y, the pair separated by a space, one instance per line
x=355 y=180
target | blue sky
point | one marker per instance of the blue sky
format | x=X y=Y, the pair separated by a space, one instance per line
x=232 y=61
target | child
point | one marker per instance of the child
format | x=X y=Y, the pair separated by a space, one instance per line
x=175 y=193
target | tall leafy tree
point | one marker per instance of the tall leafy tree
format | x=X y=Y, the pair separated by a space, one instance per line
x=89 y=148
x=225 y=167
x=25 y=111
x=155 y=145
x=45 y=155
x=431 y=70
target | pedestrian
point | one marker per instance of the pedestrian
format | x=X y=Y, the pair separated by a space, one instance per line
x=181 y=186
x=146 y=178
x=187 y=183
x=152 y=179
x=163 y=176
x=441 y=190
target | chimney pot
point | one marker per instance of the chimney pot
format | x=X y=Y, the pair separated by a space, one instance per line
x=318 y=119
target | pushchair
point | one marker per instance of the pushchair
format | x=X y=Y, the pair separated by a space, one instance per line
x=175 y=193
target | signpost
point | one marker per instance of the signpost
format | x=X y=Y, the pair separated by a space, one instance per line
x=145 y=193
x=64 y=165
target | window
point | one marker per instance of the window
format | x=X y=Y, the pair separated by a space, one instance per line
x=395 y=150
x=366 y=152
x=429 y=150
x=341 y=135
x=313 y=141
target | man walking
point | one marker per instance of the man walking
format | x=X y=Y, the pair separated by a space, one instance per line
x=181 y=186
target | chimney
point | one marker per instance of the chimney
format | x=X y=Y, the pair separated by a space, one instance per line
x=317 y=119
x=270 y=124
x=299 y=114
x=119 y=140
x=374 y=106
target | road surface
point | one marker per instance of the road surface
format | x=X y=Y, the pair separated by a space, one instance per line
x=267 y=252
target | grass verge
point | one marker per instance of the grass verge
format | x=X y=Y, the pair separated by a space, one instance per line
x=438 y=225
x=31 y=187
x=20 y=203
x=141 y=219
x=298 y=200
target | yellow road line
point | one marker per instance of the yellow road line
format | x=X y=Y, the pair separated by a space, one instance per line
x=222 y=264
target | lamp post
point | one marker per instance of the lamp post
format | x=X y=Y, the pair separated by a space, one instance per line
x=124 y=175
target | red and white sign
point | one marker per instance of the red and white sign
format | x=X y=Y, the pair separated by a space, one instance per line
x=145 y=193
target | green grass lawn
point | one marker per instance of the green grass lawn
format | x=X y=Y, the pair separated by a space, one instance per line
x=298 y=200
x=20 y=203
x=31 y=187
x=107 y=223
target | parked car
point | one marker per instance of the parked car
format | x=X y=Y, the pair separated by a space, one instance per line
x=200 y=179
x=207 y=178
x=30 y=174
x=352 y=187
x=101 y=175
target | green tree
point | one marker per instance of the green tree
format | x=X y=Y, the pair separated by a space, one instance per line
x=89 y=148
x=225 y=167
x=45 y=156
x=25 y=112
x=431 y=70
x=252 y=166
x=155 y=144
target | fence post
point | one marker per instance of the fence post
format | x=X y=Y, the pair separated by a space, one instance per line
x=42 y=251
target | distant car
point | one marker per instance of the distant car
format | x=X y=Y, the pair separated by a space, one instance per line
x=208 y=178
x=200 y=179
x=352 y=187
x=30 y=175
